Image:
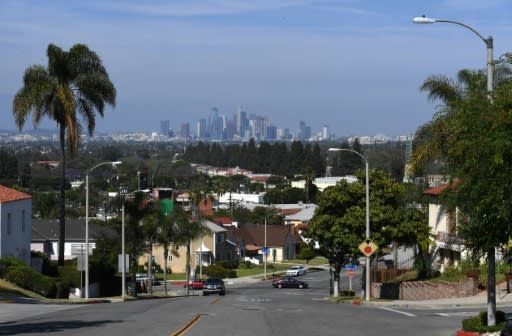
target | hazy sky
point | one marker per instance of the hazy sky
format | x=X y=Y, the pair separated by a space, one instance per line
x=354 y=65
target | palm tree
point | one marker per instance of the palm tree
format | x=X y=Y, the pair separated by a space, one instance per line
x=186 y=231
x=430 y=139
x=138 y=210
x=168 y=224
x=73 y=81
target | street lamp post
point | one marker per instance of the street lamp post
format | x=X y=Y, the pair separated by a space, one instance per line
x=488 y=43
x=113 y=163
x=491 y=293
x=367 y=280
x=265 y=250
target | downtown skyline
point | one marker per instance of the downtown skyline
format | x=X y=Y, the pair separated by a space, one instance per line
x=355 y=66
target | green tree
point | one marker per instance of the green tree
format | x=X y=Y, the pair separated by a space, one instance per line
x=74 y=83
x=339 y=224
x=472 y=133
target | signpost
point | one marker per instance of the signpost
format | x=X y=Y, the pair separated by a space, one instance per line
x=368 y=247
x=350 y=276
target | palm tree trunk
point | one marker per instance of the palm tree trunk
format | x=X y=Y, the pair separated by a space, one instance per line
x=62 y=214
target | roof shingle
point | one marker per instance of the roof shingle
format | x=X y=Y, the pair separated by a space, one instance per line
x=11 y=195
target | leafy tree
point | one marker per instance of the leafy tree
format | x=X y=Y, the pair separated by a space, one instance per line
x=75 y=82
x=472 y=133
x=339 y=223
x=306 y=252
x=288 y=195
x=8 y=165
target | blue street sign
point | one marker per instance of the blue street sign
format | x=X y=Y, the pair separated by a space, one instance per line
x=264 y=250
x=348 y=267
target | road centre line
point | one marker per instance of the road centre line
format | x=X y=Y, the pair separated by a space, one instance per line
x=399 y=312
x=216 y=300
x=187 y=326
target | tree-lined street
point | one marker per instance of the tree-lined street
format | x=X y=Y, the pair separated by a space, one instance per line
x=247 y=309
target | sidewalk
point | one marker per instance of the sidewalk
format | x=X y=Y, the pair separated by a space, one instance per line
x=502 y=299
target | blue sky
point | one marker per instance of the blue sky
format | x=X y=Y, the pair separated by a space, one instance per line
x=354 y=65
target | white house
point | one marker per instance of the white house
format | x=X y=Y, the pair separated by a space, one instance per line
x=448 y=247
x=15 y=224
x=324 y=182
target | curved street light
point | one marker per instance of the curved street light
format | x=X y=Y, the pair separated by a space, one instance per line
x=488 y=43
x=367 y=280
x=114 y=164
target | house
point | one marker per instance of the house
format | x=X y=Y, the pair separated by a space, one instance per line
x=323 y=182
x=297 y=214
x=209 y=249
x=45 y=237
x=15 y=224
x=448 y=247
x=250 y=240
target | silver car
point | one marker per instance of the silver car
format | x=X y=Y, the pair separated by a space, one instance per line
x=296 y=270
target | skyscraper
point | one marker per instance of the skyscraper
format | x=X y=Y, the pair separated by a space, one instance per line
x=164 y=127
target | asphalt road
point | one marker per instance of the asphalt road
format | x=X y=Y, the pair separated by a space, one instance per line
x=250 y=309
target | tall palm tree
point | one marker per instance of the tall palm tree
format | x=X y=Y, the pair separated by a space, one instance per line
x=430 y=139
x=187 y=231
x=74 y=83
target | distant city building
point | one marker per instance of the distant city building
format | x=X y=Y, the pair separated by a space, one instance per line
x=325 y=133
x=185 y=131
x=201 y=129
x=241 y=121
x=164 y=127
x=271 y=133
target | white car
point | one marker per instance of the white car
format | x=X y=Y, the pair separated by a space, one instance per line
x=296 y=270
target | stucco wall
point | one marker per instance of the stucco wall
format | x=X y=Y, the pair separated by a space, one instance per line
x=16 y=240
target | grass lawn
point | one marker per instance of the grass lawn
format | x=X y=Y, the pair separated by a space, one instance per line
x=313 y=262
x=276 y=268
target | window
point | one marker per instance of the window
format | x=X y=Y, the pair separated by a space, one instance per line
x=22 y=220
x=220 y=237
x=9 y=223
x=169 y=258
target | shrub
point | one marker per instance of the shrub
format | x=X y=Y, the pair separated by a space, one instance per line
x=27 y=278
x=246 y=264
x=7 y=262
x=230 y=264
x=479 y=323
x=346 y=292
x=217 y=271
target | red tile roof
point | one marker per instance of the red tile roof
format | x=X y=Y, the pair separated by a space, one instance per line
x=438 y=190
x=222 y=220
x=11 y=195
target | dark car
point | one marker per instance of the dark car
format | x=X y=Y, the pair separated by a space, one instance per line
x=289 y=282
x=214 y=286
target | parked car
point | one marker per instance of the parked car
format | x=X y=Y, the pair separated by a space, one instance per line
x=195 y=284
x=296 y=270
x=144 y=277
x=214 y=286
x=289 y=282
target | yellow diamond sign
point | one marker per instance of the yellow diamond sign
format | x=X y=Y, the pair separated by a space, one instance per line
x=368 y=247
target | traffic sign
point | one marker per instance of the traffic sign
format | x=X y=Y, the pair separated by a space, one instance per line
x=368 y=247
x=350 y=274
x=348 y=266
x=265 y=250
